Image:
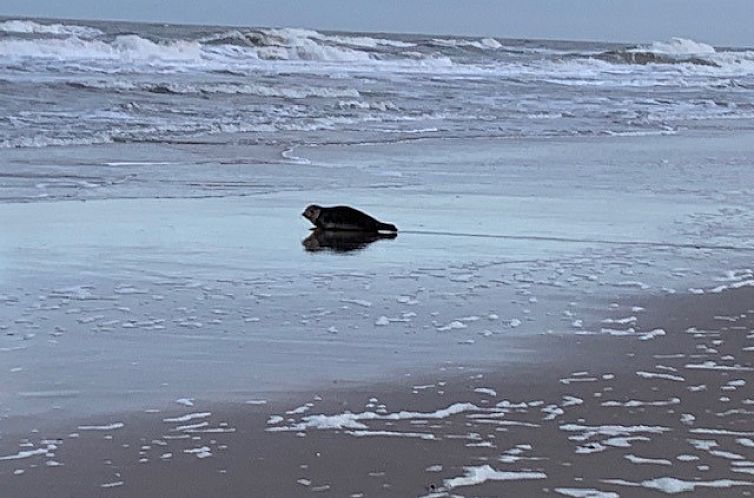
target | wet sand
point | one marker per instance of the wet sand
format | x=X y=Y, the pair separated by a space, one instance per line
x=157 y=283
x=640 y=413
x=512 y=293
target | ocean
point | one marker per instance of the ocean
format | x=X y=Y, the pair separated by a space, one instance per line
x=69 y=83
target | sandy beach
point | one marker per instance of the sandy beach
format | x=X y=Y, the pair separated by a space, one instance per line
x=156 y=348
x=664 y=409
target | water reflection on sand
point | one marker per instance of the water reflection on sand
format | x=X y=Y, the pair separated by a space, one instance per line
x=342 y=241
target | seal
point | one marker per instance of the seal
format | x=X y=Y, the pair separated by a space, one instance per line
x=344 y=218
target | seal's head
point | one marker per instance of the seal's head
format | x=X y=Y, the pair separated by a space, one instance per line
x=312 y=212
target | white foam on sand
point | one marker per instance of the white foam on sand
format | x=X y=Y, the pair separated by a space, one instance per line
x=29 y=453
x=671 y=485
x=726 y=454
x=455 y=324
x=613 y=430
x=745 y=442
x=478 y=475
x=633 y=403
x=652 y=334
x=623 y=442
x=187 y=417
x=202 y=452
x=275 y=419
x=113 y=484
x=572 y=401
x=654 y=461
x=711 y=365
x=720 y=432
x=655 y=375
x=350 y=420
x=621 y=321
x=359 y=302
x=191 y=427
x=586 y=493
x=737 y=285
x=108 y=427
x=419 y=435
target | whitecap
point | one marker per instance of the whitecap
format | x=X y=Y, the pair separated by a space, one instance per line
x=27 y=27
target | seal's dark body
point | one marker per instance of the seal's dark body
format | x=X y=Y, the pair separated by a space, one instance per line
x=348 y=218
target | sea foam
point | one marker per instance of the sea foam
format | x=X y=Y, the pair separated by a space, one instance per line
x=680 y=46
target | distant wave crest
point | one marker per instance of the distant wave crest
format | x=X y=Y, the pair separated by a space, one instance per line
x=224 y=50
x=673 y=51
x=679 y=46
x=125 y=48
x=483 y=44
x=33 y=45
x=30 y=27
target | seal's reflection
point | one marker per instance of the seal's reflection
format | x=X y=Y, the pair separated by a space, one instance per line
x=341 y=241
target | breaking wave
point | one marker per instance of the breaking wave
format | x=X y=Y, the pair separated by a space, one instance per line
x=243 y=51
x=681 y=51
x=31 y=27
x=674 y=51
x=680 y=46
x=90 y=48
x=483 y=44
x=646 y=57
x=125 y=48
x=296 y=37
x=290 y=44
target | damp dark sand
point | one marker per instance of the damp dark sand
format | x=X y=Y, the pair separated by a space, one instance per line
x=664 y=409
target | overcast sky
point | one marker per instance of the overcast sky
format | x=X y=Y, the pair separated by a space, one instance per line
x=722 y=22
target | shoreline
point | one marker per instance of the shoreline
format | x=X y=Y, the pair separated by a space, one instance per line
x=616 y=414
